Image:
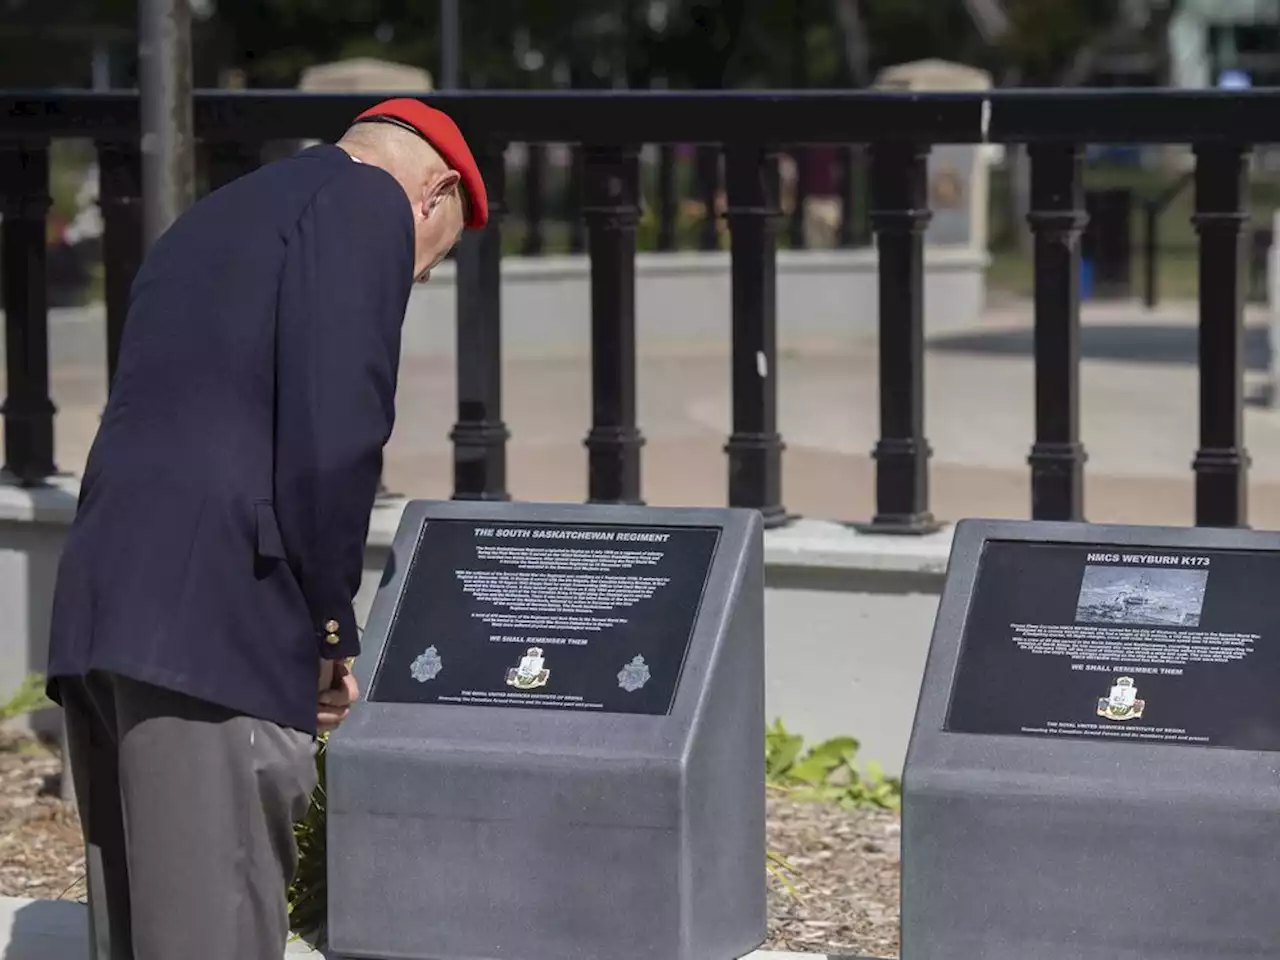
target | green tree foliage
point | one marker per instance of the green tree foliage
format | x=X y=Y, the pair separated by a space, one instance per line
x=47 y=44
x=1047 y=37
x=905 y=30
x=272 y=41
x=706 y=44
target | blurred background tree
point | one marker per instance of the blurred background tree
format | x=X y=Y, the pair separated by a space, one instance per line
x=700 y=44
x=44 y=43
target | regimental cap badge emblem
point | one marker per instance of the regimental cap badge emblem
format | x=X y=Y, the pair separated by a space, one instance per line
x=426 y=666
x=1123 y=704
x=634 y=675
x=531 y=673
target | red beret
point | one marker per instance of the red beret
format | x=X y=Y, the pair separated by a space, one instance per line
x=443 y=134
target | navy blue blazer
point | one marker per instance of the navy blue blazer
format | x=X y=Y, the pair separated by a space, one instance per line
x=220 y=534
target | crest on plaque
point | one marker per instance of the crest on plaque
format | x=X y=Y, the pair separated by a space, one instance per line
x=634 y=675
x=531 y=673
x=1123 y=704
x=426 y=666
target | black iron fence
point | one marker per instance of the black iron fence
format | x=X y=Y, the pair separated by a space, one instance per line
x=747 y=130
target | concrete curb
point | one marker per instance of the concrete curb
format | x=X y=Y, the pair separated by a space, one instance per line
x=57 y=930
x=805 y=543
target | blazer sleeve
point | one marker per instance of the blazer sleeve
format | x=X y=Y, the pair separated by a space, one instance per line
x=348 y=271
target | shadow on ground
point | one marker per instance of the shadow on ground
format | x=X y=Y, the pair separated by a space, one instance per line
x=59 y=930
x=1156 y=344
x=46 y=930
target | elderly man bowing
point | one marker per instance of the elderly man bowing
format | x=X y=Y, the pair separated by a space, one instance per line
x=205 y=592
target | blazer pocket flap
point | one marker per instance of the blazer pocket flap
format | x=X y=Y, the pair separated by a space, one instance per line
x=270 y=543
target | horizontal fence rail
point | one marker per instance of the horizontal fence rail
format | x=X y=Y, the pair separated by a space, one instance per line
x=886 y=138
x=618 y=118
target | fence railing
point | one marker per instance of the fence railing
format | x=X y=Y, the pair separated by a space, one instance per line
x=749 y=129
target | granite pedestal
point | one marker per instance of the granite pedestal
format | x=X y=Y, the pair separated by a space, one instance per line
x=561 y=753
x=1094 y=770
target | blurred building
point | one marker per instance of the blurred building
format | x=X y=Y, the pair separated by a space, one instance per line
x=1210 y=37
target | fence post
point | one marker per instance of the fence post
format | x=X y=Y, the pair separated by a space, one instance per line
x=801 y=158
x=1057 y=218
x=755 y=446
x=844 y=190
x=899 y=215
x=120 y=198
x=1222 y=462
x=667 y=202
x=612 y=213
x=28 y=411
x=574 y=197
x=1151 y=255
x=534 y=182
x=480 y=435
x=707 y=170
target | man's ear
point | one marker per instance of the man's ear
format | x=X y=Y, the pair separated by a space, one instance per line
x=438 y=190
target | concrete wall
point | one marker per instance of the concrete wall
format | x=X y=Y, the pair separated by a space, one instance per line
x=683 y=300
x=845 y=652
x=683 y=303
x=847 y=616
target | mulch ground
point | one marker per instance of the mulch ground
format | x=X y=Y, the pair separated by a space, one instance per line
x=838 y=890
x=843 y=877
x=41 y=855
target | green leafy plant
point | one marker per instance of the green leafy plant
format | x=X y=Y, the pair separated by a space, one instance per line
x=779 y=869
x=309 y=893
x=827 y=772
x=28 y=698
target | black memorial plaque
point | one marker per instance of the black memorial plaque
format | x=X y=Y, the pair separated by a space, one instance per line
x=567 y=616
x=1144 y=645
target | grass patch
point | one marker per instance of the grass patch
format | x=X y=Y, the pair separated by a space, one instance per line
x=1177 y=276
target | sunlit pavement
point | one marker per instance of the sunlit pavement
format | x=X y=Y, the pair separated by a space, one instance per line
x=58 y=930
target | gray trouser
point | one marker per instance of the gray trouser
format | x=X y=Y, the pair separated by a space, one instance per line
x=188 y=813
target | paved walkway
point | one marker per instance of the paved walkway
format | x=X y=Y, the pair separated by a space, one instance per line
x=1139 y=419
x=57 y=930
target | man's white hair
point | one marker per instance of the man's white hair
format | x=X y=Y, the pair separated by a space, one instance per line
x=402 y=153
x=397 y=150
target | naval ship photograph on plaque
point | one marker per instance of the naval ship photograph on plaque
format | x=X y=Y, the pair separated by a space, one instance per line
x=1154 y=596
